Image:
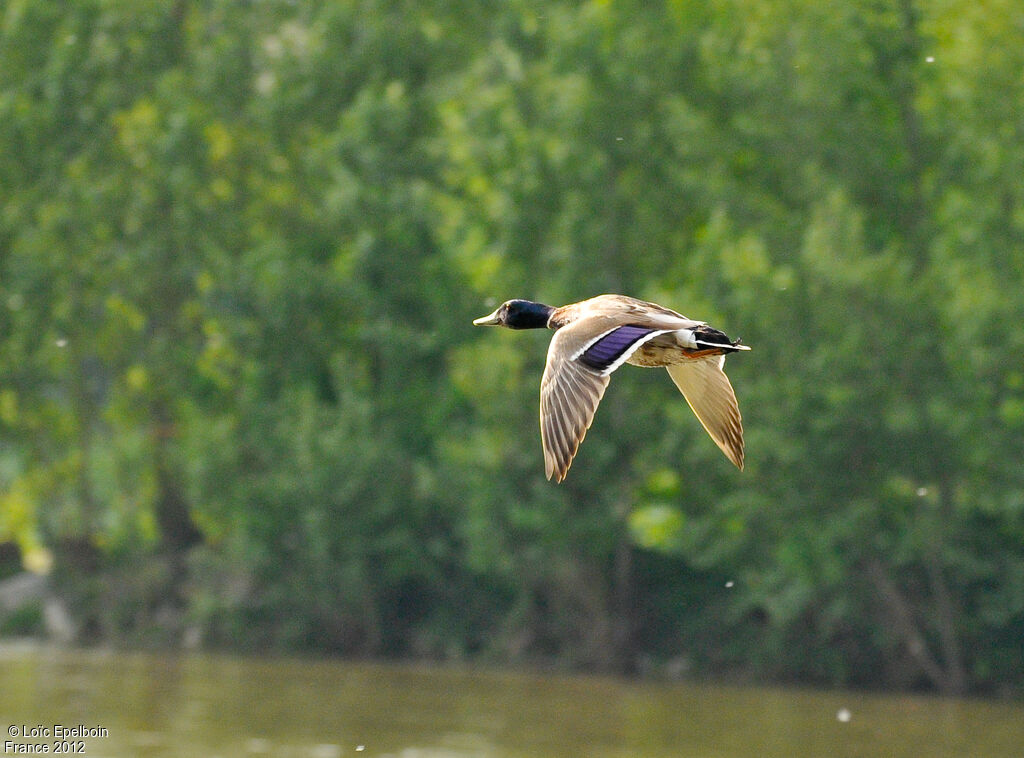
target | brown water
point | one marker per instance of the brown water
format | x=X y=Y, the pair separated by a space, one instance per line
x=213 y=706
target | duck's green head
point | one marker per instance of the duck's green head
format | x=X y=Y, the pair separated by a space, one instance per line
x=518 y=314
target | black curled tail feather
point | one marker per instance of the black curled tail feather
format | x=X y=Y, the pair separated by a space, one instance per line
x=708 y=336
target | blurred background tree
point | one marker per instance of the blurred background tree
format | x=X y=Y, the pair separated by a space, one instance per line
x=241 y=404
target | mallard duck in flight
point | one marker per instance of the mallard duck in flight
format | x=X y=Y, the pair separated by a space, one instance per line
x=596 y=336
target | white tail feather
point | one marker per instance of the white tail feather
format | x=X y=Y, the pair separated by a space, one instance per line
x=702 y=343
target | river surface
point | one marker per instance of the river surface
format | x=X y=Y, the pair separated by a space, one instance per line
x=209 y=706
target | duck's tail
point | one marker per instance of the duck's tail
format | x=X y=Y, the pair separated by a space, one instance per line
x=708 y=337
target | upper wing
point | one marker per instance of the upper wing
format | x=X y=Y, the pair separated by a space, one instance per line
x=709 y=393
x=576 y=375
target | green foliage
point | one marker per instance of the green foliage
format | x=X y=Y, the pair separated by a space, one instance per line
x=23 y=622
x=241 y=246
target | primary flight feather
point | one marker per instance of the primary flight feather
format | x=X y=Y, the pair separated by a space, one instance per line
x=596 y=336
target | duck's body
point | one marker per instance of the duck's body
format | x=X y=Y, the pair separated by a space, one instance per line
x=596 y=336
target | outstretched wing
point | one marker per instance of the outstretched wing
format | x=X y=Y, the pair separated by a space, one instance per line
x=577 y=373
x=709 y=393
